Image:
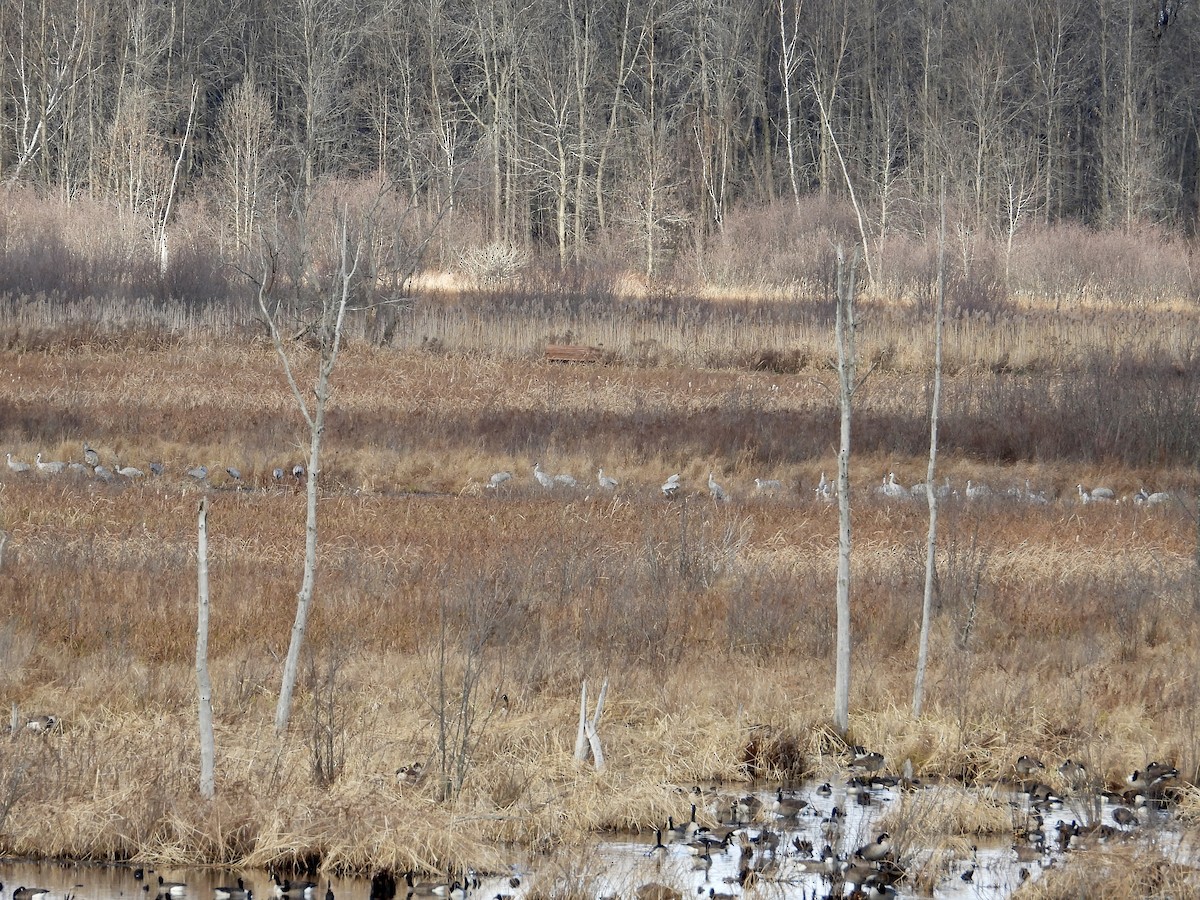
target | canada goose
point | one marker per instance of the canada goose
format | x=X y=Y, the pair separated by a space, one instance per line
x=50 y=468
x=718 y=492
x=90 y=456
x=825 y=790
x=659 y=846
x=241 y=892
x=410 y=775
x=1027 y=765
x=866 y=760
x=1043 y=795
x=788 y=807
x=876 y=850
x=706 y=842
x=1156 y=772
x=171 y=888
x=305 y=890
x=30 y=893
x=606 y=482
x=329 y=890
x=433 y=888
x=747 y=808
x=877 y=890
x=41 y=724
x=683 y=832
x=654 y=890
x=1124 y=816
x=857 y=873
x=16 y=465
x=1073 y=772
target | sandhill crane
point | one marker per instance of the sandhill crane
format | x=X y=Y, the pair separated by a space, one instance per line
x=128 y=471
x=16 y=465
x=977 y=491
x=766 y=485
x=543 y=479
x=90 y=456
x=892 y=488
x=1095 y=494
x=718 y=492
x=78 y=468
x=199 y=473
x=607 y=482
x=104 y=473
x=298 y=472
x=498 y=479
x=51 y=467
x=156 y=468
x=233 y=473
x=670 y=487
x=1158 y=497
x=277 y=474
x=824 y=489
x=565 y=479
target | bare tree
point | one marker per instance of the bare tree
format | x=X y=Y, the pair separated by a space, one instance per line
x=244 y=143
x=326 y=329
x=789 y=64
x=208 y=788
x=845 y=326
x=931 y=472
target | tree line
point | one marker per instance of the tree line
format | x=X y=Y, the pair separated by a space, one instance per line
x=561 y=126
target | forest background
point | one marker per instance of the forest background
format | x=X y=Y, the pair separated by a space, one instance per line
x=675 y=142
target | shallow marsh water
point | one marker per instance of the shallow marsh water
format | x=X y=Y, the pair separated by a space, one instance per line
x=617 y=864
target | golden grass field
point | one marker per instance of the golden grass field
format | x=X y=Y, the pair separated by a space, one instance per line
x=1062 y=629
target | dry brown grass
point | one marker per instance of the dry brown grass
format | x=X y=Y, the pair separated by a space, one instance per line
x=1062 y=630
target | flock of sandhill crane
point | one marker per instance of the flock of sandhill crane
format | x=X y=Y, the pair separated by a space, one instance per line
x=93 y=467
x=672 y=487
x=826 y=490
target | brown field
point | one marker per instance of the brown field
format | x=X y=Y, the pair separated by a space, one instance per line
x=454 y=624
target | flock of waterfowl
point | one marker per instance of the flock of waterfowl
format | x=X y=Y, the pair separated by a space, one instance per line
x=772 y=839
x=671 y=488
x=826 y=490
x=383 y=887
x=281 y=889
x=93 y=467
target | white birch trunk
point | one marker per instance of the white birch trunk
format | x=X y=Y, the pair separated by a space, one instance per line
x=208 y=788
x=847 y=360
x=332 y=317
x=931 y=475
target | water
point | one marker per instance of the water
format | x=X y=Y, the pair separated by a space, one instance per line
x=617 y=864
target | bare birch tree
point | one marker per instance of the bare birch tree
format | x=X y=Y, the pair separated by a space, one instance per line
x=208 y=786
x=931 y=471
x=327 y=331
x=845 y=325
